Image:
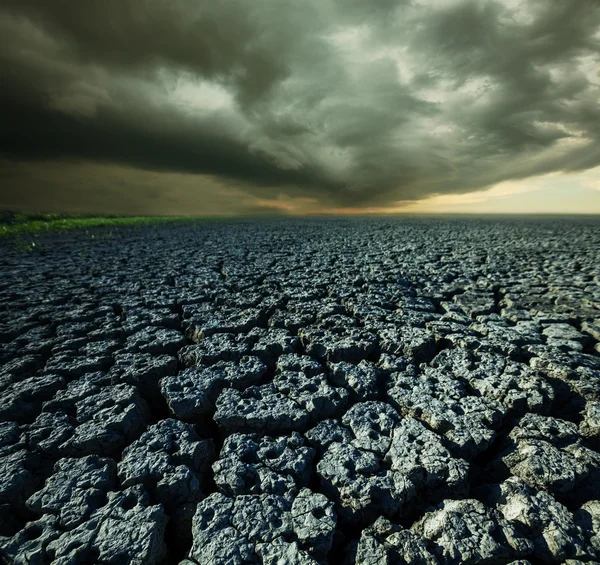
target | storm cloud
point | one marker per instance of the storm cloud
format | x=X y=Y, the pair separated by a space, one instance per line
x=337 y=102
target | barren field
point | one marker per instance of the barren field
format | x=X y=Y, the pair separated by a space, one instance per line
x=368 y=391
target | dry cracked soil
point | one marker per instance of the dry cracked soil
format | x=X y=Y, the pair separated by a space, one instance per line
x=369 y=391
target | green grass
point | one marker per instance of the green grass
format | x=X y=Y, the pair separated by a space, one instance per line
x=37 y=224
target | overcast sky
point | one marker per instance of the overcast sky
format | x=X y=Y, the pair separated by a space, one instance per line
x=270 y=106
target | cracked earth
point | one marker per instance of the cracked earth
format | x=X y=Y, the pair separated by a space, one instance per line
x=304 y=392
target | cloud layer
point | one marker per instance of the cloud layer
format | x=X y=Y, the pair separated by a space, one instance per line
x=344 y=103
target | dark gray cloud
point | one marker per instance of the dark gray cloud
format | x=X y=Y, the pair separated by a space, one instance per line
x=349 y=103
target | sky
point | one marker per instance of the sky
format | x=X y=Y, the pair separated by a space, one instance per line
x=269 y=107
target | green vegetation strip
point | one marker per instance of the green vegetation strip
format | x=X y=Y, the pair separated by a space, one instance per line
x=38 y=224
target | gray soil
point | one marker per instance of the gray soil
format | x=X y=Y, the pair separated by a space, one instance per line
x=304 y=391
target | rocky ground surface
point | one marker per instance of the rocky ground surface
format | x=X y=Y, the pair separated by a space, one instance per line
x=334 y=391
